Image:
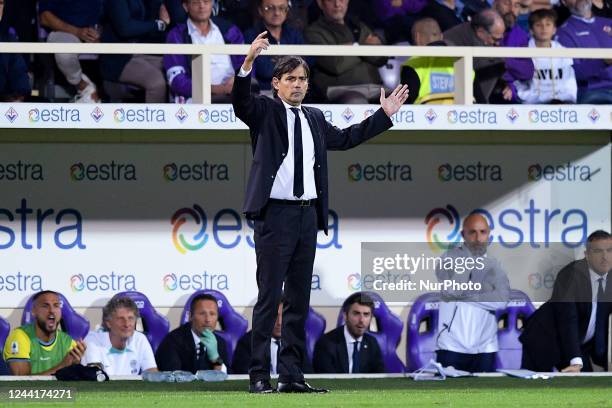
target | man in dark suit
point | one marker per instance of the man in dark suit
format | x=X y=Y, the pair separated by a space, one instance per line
x=194 y=346
x=571 y=329
x=242 y=354
x=349 y=348
x=287 y=198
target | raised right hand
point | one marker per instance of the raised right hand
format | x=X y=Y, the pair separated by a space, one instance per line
x=259 y=44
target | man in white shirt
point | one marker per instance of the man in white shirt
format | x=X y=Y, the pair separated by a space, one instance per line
x=118 y=346
x=349 y=348
x=570 y=331
x=467 y=323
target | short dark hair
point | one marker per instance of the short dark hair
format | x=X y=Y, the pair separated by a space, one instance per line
x=598 y=235
x=484 y=19
x=361 y=298
x=542 y=14
x=202 y=296
x=118 y=302
x=287 y=64
x=45 y=292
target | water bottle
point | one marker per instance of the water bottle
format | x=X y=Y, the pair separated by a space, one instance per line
x=211 y=375
x=158 y=376
x=183 y=376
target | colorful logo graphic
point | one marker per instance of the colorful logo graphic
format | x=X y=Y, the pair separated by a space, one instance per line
x=119 y=115
x=33 y=115
x=11 y=114
x=445 y=172
x=354 y=172
x=77 y=283
x=203 y=116
x=77 y=172
x=433 y=218
x=594 y=115
x=179 y=219
x=452 y=116
x=533 y=116
x=431 y=116
x=170 y=172
x=534 y=172
x=170 y=282
x=512 y=115
x=181 y=115
x=97 y=114
x=354 y=281
x=348 y=114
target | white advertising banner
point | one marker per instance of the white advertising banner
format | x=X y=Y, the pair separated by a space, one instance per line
x=91 y=220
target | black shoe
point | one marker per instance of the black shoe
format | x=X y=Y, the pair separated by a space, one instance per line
x=301 y=387
x=261 y=387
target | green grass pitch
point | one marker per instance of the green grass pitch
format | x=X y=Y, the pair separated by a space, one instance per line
x=396 y=392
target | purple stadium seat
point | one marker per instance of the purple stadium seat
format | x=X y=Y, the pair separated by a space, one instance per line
x=233 y=324
x=388 y=335
x=315 y=327
x=422 y=330
x=72 y=323
x=5 y=328
x=155 y=326
x=517 y=311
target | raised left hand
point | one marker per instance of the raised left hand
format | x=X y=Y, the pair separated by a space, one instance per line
x=392 y=103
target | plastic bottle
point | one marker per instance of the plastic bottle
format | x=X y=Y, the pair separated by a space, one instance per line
x=211 y=375
x=183 y=376
x=158 y=376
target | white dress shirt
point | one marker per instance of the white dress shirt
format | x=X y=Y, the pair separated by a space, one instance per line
x=221 y=65
x=591 y=327
x=350 y=341
x=274 y=356
x=282 y=189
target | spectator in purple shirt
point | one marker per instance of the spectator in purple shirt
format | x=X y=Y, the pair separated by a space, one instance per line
x=583 y=30
x=517 y=69
x=73 y=21
x=397 y=17
x=201 y=28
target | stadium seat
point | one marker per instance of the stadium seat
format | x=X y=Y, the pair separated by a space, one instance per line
x=388 y=335
x=155 y=326
x=511 y=321
x=72 y=323
x=233 y=324
x=5 y=328
x=422 y=330
x=315 y=327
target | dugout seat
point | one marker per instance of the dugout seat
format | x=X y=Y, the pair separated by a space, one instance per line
x=5 y=329
x=76 y=325
x=155 y=326
x=315 y=327
x=233 y=324
x=511 y=320
x=388 y=335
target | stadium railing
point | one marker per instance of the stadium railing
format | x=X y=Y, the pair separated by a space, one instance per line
x=202 y=53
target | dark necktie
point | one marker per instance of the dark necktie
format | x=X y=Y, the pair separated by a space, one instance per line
x=201 y=363
x=600 y=323
x=298 y=156
x=356 y=357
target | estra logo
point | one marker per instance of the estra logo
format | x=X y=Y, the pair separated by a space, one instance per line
x=560 y=115
x=379 y=172
x=469 y=172
x=54 y=115
x=142 y=115
x=110 y=171
x=560 y=172
x=102 y=282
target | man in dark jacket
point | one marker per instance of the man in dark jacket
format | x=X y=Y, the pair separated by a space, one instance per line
x=194 y=346
x=14 y=80
x=349 y=348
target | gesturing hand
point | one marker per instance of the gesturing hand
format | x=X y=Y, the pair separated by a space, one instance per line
x=392 y=103
x=259 y=44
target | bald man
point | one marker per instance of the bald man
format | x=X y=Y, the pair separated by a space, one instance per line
x=467 y=324
x=425 y=31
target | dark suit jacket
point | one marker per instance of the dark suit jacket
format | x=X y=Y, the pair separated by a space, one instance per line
x=177 y=350
x=553 y=334
x=267 y=122
x=242 y=357
x=330 y=355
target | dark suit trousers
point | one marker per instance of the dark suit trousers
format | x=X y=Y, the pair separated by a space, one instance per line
x=285 y=245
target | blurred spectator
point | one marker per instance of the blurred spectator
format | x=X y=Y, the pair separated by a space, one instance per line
x=14 y=79
x=397 y=17
x=239 y=12
x=176 y=12
x=428 y=77
x=363 y=10
x=202 y=29
x=273 y=15
x=136 y=21
x=553 y=80
x=602 y=8
x=485 y=29
x=73 y=21
x=517 y=69
x=445 y=12
x=344 y=79
x=583 y=30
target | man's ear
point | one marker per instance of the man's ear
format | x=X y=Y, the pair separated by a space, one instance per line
x=185 y=7
x=275 y=83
